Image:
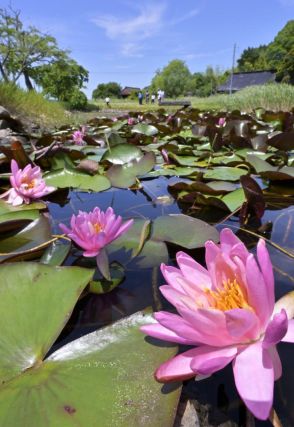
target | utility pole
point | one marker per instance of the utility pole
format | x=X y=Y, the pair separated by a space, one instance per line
x=233 y=66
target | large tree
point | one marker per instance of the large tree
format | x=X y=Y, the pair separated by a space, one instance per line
x=111 y=89
x=35 y=56
x=173 y=79
x=61 y=78
x=280 y=53
x=23 y=49
x=253 y=59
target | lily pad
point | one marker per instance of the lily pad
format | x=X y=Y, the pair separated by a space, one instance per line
x=183 y=230
x=145 y=129
x=122 y=153
x=67 y=178
x=106 y=375
x=124 y=176
x=225 y=173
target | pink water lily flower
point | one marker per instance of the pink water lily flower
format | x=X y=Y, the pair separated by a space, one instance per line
x=221 y=122
x=228 y=313
x=131 y=121
x=78 y=136
x=93 y=231
x=27 y=185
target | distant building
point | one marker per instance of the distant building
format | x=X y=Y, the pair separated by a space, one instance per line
x=245 y=79
x=128 y=90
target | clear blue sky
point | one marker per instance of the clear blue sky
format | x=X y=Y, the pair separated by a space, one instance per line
x=127 y=40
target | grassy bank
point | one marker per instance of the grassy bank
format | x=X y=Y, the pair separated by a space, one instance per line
x=273 y=97
x=32 y=107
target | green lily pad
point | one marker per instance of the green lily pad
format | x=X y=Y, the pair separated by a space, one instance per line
x=27 y=241
x=5 y=207
x=56 y=253
x=122 y=153
x=124 y=176
x=225 y=173
x=71 y=178
x=106 y=375
x=145 y=129
x=183 y=230
x=273 y=173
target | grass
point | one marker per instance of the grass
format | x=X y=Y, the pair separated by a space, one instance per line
x=32 y=107
x=275 y=97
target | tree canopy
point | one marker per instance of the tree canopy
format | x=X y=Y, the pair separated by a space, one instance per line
x=35 y=56
x=277 y=55
x=173 y=79
x=111 y=89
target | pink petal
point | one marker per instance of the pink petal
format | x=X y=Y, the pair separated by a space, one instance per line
x=266 y=268
x=207 y=360
x=178 y=325
x=289 y=337
x=158 y=331
x=257 y=291
x=209 y=324
x=242 y=324
x=276 y=329
x=254 y=378
x=14 y=167
x=228 y=240
x=276 y=362
x=193 y=271
x=177 y=281
x=176 y=369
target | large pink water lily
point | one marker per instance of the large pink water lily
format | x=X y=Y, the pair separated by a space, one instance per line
x=27 y=185
x=93 y=231
x=228 y=313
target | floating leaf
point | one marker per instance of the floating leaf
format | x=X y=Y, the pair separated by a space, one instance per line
x=124 y=176
x=122 y=153
x=106 y=375
x=225 y=173
x=67 y=178
x=145 y=129
x=183 y=230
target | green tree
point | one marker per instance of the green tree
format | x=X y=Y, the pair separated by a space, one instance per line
x=23 y=49
x=111 y=89
x=61 y=79
x=174 y=79
x=205 y=84
x=280 y=53
x=253 y=59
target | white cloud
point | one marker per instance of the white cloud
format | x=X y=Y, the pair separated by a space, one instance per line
x=131 y=50
x=185 y=17
x=142 y=26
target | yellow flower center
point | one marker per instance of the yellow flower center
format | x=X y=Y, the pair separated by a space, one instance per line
x=228 y=297
x=97 y=227
x=29 y=184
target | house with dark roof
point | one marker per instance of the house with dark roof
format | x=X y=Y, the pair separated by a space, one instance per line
x=128 y=90
x=245 y=79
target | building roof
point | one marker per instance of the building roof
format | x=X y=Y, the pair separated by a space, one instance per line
x=127 y=90
x=248 y=78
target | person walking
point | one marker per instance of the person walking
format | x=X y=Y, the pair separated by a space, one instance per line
x=107 y=101
x=153 y=97
x=140 y=98
x=147 y=96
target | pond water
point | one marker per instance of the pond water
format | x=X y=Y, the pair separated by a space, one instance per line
x=139 y=288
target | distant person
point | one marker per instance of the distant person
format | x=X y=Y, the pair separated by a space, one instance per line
x=159 y=96
x=147 y=96
x=140 y=98
x=107 y=101
x=153 y=97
